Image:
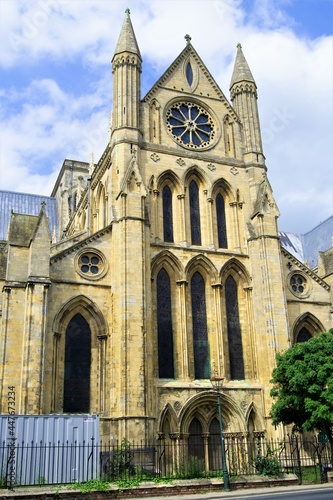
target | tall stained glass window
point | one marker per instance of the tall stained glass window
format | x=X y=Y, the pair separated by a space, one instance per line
x=195 y=214
x=167 y=214
x=221 y=224
x=234 y=331
x=199 y=326
x=77 y=366
x=164 y=326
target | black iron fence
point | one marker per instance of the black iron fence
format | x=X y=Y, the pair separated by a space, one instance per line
x=195 y=457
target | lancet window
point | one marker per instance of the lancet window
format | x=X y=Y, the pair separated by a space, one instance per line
x=234 y=331
x=199 y=327
x=164 y=326
x=194 y=213
x=77 y=366
x=221 y=222
x=167 y=214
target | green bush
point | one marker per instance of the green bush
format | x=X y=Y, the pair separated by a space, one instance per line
x=121 y=464
x=267 y=465
x=195 y=467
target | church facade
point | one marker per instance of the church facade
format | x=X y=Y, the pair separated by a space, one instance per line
x=163 y=270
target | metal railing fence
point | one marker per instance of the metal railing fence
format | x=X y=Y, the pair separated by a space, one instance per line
x=199 y=456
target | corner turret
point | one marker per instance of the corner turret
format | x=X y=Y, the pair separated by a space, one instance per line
x=126 y=69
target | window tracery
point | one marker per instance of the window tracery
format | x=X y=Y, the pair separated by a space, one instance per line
x=91 y=264
x=190 y=125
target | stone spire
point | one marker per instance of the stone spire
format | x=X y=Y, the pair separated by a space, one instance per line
x=243 y=91
x=242 y=72
x=127 y=40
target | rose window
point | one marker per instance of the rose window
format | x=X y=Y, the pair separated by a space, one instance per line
x=190 y=125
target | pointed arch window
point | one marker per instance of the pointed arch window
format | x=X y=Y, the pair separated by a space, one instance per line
x=77 y=366
x=303 y=335
x=195 y=214
x=234 y=331
x=167 y=214
x=199 y=326
x=221 y=223
x=164 y=326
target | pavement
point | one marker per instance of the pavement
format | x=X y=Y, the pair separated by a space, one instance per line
x=49 y=492
x=246 y=492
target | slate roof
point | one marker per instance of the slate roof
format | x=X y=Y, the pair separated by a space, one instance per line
x=21 y=229
x=292 y=242
x=29 y=204
x=305 y=247
x=318 y=239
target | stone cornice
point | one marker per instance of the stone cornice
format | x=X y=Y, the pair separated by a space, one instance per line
x=244 y=87
x=102 y=165
x=220 y=252
x=81 y=244
x=193 y=155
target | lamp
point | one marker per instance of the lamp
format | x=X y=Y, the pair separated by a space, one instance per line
x=217 y=383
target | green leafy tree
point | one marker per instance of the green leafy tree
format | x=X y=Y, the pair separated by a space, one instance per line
x=303 y=386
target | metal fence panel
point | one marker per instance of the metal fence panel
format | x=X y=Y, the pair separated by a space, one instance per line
x=48 y=449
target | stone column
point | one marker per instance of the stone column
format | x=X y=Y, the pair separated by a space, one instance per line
x=184 y=354
x=181 y=198
x=220 y=362
x=55 y=373
x=101 y=369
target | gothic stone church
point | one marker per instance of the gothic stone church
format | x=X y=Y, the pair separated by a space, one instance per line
x=145 y=274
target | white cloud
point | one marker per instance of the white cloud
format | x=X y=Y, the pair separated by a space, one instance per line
x=46 y=121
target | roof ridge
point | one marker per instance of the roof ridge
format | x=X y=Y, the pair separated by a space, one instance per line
x=27 y=194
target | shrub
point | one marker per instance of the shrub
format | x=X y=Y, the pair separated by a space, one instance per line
x=267 y=465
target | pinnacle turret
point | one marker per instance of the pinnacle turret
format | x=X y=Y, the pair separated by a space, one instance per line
x=126 y=69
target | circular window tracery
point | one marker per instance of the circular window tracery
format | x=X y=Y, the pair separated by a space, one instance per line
x=190 y=125
x=298 y=284
x=91 y=264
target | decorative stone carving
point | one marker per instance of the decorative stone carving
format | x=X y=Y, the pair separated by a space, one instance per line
x=177 y=405
x=155 y=157
x=180 y=162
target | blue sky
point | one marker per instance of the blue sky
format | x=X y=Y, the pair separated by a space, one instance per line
x=56 y=84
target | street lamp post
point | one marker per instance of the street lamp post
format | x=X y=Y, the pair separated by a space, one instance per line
x=217 y=383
